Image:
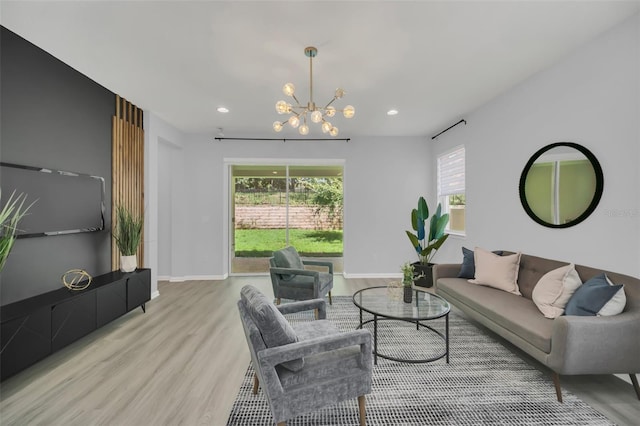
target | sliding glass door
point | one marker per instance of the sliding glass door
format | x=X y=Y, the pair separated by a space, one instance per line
x=278 y=205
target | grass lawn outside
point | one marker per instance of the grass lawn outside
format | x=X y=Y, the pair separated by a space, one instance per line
x=308 y=242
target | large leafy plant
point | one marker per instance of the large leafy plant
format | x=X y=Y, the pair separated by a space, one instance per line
x=428 y=238
x=12 y=212
x=128 y=231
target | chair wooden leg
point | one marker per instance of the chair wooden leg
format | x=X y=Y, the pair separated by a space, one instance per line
x=556 y=382
x=634 y=380
x=330 y=301
x=316 y=313
x=256 y=383
x=363 y=417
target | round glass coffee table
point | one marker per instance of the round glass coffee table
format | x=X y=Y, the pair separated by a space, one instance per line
x=424 y=307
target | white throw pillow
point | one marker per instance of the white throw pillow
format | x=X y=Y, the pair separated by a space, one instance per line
x=616 y=304
x=495 y=271
x=554 y=289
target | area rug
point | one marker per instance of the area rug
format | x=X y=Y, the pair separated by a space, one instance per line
x=484 y=383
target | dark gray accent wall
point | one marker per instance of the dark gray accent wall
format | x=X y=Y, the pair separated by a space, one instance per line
x=55 y=117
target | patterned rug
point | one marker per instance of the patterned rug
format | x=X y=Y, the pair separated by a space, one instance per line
x=484 y=383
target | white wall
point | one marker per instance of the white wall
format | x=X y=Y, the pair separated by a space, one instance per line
x=383 y=179
x=157 y=133
x=591 y=97
x=172 y=239
x=164 y=210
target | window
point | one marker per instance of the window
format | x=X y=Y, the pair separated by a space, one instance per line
x=451 y=192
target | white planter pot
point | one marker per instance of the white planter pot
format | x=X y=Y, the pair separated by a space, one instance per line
x=128 y=263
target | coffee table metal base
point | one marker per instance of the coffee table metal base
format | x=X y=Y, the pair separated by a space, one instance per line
x=444 y=336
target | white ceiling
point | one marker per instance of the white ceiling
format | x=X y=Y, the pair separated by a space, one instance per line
x=434 y=61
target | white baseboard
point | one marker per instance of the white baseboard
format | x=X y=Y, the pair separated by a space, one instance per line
x=384 y=275
x=155 y=294
x=193 y=278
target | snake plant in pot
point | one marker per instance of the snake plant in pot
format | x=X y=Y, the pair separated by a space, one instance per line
x=428 y=238
x=127 y=235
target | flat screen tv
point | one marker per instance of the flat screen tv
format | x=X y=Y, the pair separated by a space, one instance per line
x=66 y=202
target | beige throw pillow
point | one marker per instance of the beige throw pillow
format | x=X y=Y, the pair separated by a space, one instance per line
x=554 y=289
x=495 y=271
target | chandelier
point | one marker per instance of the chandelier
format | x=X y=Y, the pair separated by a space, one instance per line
x=299 y=114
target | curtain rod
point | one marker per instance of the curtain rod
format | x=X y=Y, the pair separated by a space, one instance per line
x=283 y=140
x=448 y=128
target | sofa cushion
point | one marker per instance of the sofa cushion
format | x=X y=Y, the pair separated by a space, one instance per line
x=468 y=267
x=495 y=271
x=288 y=257
x=341 y=362
x=306 y=281
x=554 y=289
x=597 y=296
x=517 y=314
x=273 y=326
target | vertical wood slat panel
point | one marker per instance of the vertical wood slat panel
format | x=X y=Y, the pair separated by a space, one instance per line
x=127 y=181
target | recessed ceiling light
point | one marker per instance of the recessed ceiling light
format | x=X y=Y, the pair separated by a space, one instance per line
x=274 y=172
x=223 y=110
x=392 y=112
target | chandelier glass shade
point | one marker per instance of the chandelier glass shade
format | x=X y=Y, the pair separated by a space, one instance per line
x=300 y=115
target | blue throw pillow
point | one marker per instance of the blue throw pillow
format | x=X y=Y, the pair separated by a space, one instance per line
x=591 y=297
x=468 y=269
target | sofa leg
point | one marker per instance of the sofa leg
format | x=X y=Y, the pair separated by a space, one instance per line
x=256 y=383
x=282 y=423
x=330 y=301
x=556 y=382
x=363 y=417
x=278 y=301
x=634 y=380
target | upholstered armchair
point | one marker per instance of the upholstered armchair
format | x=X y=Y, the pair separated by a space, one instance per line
x=290 y=279
x=307 y=366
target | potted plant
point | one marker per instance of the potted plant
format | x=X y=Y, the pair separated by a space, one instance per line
x=12 y=212
x=427 y=239
x=127 y=235
x=408 y=278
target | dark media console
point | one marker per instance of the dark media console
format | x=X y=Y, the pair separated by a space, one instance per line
x=36 y=327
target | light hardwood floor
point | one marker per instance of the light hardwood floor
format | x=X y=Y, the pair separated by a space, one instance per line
x=182 y=363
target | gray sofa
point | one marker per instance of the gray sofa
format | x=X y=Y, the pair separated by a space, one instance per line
x=568 y=345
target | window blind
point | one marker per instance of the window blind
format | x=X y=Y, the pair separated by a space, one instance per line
x=451 y=173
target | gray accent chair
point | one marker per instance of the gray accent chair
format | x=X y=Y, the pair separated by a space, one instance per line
x=331 y=366
x=290 y=279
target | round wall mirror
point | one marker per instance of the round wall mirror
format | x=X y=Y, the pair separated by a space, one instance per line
x=561 y=185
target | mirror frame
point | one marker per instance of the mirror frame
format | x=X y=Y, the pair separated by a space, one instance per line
x=596 y=196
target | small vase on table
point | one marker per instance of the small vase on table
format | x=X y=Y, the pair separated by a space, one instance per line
x=407 y=281
x=408 y=294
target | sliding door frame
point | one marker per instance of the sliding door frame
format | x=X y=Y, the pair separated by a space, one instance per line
x=287 y=162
